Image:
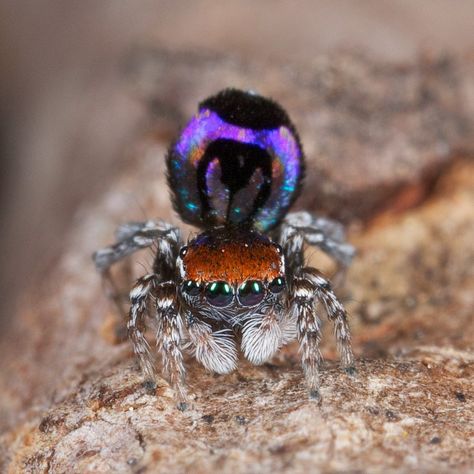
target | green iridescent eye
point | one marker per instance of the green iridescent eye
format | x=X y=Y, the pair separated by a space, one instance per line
x=251 y=293
x=219 y=293
x=277 y=285
x=191 y=288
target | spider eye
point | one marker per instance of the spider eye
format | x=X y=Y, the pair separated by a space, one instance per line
x=251 y=293
x=191 y=288
x=277 y=285
x=219 y=293
x=183 y=251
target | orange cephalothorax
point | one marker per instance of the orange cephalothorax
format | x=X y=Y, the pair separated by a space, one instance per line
x=232 y=255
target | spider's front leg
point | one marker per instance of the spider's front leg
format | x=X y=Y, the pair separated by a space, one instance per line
x=169 y=331
x=169 y=338
x=308 y=287
x=155 y=295
x=308 y=325
x=336 y=313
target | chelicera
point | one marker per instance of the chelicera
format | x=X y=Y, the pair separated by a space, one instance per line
x=234 y=172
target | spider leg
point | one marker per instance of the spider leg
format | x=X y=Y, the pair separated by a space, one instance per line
x=129 y=229
x=169 y=339
x=140 y=297
x=131 y=237
x=215 y=350
x=308 y=324
x=336 y=313
x=322 y=232
x=309 y=287
x=151 y=296
x=169 y=333
x=292 y=241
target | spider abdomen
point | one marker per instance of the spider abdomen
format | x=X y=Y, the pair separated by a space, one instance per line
x=238 y=161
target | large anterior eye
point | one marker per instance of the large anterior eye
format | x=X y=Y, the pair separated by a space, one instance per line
x=219 y=293
x=277 y=285
x=251 y=293
x=191 y=288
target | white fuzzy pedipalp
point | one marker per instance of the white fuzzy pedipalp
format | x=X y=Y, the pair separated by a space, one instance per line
x=261 y=338
x=216 y=351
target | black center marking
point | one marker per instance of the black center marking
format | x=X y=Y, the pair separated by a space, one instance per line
x=238 y=163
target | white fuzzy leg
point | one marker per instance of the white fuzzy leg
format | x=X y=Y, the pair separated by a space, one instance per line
x=262 y=336
x=214 y=350
x=139 y=299
x=336 y=313
x=308 y=332
x=169 y=338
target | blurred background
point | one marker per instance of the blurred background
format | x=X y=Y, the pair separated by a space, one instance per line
x=69 y=112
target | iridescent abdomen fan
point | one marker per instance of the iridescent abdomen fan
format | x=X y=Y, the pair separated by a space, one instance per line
x=238 y=161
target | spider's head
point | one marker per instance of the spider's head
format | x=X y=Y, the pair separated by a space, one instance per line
x=225 y=267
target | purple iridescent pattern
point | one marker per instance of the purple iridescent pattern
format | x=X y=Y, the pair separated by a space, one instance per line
x=204 y=128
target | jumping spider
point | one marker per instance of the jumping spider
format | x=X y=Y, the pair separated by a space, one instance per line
x=234 y=172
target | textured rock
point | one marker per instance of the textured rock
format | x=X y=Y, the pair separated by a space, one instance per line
x=400 y=415
x=71 y=397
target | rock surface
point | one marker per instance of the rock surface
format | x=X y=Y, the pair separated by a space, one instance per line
x=410 y=414
x=72 y=399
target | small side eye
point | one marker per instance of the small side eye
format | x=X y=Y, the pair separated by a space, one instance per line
x=251 y=293
x=279 y=248
x=183 y=251
x=277 y=285
x=219 y=294
x=191 y=288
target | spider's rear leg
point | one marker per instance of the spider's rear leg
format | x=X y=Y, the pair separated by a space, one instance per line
x=131 y=237
x=321 y=232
